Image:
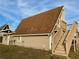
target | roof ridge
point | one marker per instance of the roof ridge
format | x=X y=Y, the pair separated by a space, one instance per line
x=44 y=12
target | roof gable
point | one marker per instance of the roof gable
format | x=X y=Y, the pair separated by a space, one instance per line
x=4 y=27
x=41 y=23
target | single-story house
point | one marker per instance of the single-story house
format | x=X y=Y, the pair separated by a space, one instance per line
x=5 y=34
x=37 y=31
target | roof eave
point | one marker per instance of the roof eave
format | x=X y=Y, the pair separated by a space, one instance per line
x=38 y=34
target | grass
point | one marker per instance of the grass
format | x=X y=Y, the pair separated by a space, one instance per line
x=74 y=55
x=15 y=52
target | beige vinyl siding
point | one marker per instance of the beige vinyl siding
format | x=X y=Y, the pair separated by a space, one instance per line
x=6 y=40
x=36 y=42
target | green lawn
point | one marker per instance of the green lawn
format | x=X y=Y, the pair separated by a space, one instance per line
x=73 y=55
x=15 y=52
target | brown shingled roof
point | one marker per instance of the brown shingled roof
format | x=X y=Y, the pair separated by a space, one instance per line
x=41 y=23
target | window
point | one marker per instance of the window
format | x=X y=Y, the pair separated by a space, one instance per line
x=55 y=31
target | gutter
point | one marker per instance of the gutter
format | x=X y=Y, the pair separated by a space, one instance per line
x=39 y=34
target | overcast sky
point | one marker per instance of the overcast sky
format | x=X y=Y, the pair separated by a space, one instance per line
x=13 y=11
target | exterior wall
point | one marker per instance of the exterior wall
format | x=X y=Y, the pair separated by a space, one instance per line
x=60 y=24
x=63 y=25
x=62 y=15
x=6 y=40
x=36 y=42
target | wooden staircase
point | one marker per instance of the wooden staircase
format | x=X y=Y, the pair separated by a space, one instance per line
x=60 y=49
x=65 y=41
x=70 y=37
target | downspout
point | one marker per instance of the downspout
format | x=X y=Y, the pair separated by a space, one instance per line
x=8 y=37
x=20 y=41
x=50 y=45
x=50 y=38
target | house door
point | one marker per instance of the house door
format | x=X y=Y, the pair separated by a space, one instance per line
x=1 y=38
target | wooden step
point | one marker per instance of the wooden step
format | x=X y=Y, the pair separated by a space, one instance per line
x=59 y=52
x=60 y=47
